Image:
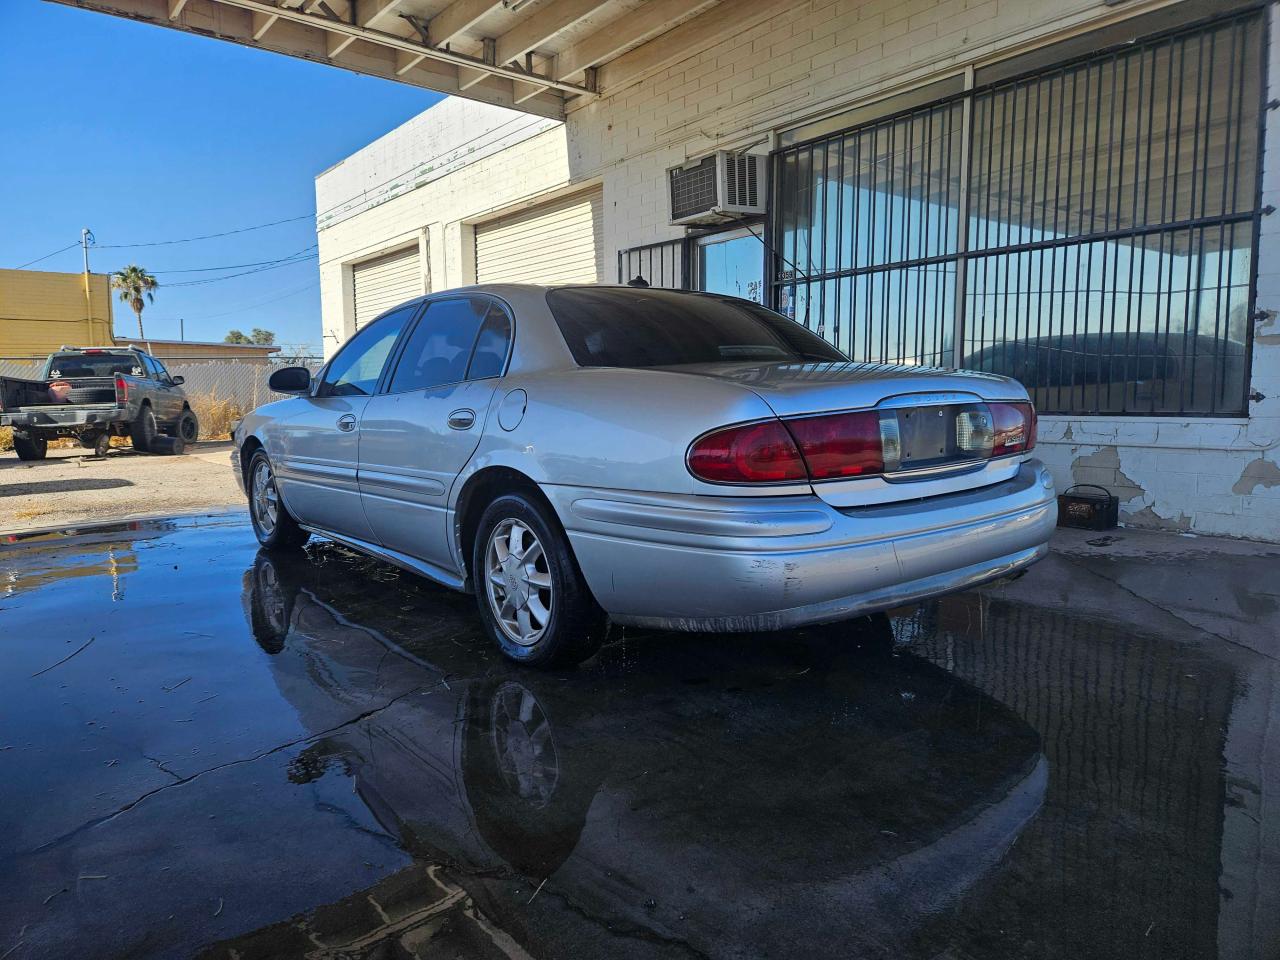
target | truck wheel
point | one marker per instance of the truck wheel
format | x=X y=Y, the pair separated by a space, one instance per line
x=273 y=525
x=30 y=447
x=188 y=427
x=533 y=599
x=143 y=430
x=101 y=444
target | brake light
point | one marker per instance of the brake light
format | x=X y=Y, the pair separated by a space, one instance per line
x=752 y=453
x=1014 y=426
x=122 y=388
x=840 y=445
x=863 y=443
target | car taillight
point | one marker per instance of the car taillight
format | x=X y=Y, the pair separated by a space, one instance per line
x=840 y=445
x=752 y=453
x=122 y=388
x=864 y=443
x=1014 y=426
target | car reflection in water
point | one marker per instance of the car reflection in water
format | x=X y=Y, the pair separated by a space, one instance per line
x=805 y=794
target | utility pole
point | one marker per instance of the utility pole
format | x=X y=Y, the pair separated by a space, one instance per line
x=86 y=238
x=182 y=329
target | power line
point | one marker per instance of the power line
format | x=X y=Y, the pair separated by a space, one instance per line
x=300 y=257
x=232 y=266
x=48 y=255
x=207 y=236
x=249 y=306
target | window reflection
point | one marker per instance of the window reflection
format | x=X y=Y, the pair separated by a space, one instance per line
x=1106 y=255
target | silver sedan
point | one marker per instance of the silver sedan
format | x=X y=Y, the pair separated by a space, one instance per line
x=575 y=455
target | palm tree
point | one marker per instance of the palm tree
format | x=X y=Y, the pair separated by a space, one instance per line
x=134 y=283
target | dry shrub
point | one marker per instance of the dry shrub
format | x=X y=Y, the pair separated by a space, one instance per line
x=216 y=414
x=6 y=438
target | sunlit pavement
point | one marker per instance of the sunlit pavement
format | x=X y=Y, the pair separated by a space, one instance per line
x=208 y=751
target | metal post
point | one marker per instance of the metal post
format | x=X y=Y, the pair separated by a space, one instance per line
x=182 y=329
x=86 y=237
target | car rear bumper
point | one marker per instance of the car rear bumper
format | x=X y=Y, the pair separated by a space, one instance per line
x=745 y=564
x=56 y=418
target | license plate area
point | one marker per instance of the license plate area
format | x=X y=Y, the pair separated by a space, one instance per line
x=935 y=437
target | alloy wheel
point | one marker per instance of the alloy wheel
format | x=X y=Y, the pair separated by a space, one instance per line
x=518 y=582
x=264 y=498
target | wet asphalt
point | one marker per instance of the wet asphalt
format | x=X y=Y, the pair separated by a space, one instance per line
x=209 y=751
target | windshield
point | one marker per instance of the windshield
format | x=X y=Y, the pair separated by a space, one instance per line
x=77 y=366
x=612 y=327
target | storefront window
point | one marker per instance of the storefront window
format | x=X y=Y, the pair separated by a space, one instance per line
x=1099 y=248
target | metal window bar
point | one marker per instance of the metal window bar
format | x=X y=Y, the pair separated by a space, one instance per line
x=662 y=264
x=1099 y=244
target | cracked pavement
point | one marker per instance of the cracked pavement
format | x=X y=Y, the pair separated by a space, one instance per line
x=212 y=752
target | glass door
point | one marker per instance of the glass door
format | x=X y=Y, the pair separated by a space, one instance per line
x=731 y=263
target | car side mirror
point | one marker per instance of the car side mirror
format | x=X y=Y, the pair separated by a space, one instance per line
x=294 y=380
x=178 y=381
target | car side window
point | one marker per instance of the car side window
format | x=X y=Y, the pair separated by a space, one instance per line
x=490 y=354
x=439 y=349
x=355 y=371
x=150 y=364
x=162 y=374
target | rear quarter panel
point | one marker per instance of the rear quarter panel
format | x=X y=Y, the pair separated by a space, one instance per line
x=611 y=429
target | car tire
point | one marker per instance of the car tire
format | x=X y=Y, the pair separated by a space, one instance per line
x=273 y=525
x=537 y=607
x=30 y=447
x=144 y=430
x=169 y=446
x=188 y=427
x=101 y=444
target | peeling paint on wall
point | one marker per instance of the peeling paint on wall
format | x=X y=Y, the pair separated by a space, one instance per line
x=1103 y=468
x=1147 y=517
x=1260 y=472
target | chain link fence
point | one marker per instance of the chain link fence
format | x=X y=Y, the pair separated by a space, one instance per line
x=219 y=390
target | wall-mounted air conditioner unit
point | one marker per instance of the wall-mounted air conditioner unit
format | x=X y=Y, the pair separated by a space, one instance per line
x=721 y=187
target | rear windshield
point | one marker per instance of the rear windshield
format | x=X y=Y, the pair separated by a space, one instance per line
x=76 y=366
x=608 y=327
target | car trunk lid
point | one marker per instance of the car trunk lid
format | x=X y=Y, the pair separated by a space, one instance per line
x=937 y=430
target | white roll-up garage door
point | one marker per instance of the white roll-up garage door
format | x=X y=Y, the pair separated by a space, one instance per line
x=557 y=242
x=385 y=281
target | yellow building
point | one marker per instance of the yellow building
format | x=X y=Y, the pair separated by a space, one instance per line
x=40 y=311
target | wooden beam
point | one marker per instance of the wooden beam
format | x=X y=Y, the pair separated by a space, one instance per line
x=335 y=43
x=682 y=42
x=468 y=78
x=542 y=25
x=638 y=26
x=175 y=8
x=369 y=12
x=262 y=22
x=381 y=54
x=406 y=61
x=457 y=18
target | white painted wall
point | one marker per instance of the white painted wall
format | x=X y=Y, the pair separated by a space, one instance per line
x=427 y=183
x=1204 y=475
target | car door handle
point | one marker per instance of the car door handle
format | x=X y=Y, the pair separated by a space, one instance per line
x=462 y=419
x=347 y=422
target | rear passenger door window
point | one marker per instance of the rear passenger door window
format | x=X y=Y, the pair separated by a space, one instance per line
x=455 y=340
x=489 y=358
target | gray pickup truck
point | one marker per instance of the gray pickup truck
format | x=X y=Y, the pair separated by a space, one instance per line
x=93 y=394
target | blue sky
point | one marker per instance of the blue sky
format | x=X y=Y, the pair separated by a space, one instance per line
x=145 y=134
